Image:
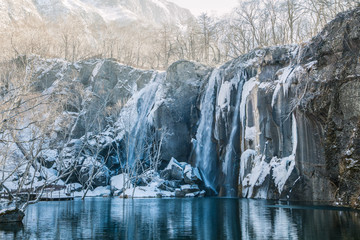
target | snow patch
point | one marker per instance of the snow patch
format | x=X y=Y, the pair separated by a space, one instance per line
x=120 y=181
x=282 y=168
x=224 y=96
x=250 y=133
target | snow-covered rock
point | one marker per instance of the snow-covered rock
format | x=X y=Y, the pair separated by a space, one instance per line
x=120 y=181
x=173 y=171
x=190 y=188
x=191 y=175
x=97 y=192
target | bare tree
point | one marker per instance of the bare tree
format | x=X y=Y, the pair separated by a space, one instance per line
x=27 y=119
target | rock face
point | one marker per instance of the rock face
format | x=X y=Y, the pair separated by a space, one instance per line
x=330 y=107
x=175 y=108
x=277 y=123
x=304 y=126
x=297 y=133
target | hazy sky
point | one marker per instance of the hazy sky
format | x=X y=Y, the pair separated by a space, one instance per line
x=199 y=6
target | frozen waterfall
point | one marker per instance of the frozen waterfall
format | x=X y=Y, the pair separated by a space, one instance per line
x=228 y=166
x=205 y=148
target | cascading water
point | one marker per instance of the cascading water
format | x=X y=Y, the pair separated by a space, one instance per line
x=227 y=167
x=205 y=147
x=206 y=156
x=135 y=121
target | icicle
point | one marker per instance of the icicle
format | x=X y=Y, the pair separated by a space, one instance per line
x=247 y=88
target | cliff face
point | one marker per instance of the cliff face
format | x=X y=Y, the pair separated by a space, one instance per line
x=294 y=134
x=277 y=123
x=331 y=103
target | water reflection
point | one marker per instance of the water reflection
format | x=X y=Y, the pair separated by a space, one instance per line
x=10 y=230
x=206 y=218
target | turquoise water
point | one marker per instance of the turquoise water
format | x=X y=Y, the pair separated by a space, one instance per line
x=202 y=218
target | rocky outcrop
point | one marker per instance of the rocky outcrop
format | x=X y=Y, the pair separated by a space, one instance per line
x=175 y=108
x=331 y=104
x=299 y=118
x=178 y=179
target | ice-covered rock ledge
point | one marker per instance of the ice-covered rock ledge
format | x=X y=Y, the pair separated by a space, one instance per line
x=178 y=179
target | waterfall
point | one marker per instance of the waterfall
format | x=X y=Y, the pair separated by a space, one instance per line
x=205 y=148
x=228 y=166
x=135 y=123
x=206 y=156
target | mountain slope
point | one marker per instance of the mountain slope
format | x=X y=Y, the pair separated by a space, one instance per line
x=122 y=12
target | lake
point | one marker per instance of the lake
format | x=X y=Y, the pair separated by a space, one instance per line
x=198 y=218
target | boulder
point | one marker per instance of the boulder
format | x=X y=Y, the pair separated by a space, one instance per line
x=191 y=175
x=190 y=195
x=169 y=185
x=179 y=193
x=164 y=186
x=174 y=183
x=100 y=179
x=190 y=188
x=202 y=193
x=142 y=182
x=117 y=193
x=120 y=181
x=173 y=171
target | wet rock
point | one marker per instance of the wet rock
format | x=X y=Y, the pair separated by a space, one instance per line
x=190 y=188
x=202 y=193
x=173 y=171
x=190 y=195
x=179 y=193
x=173 y=184
x=142 y=182
x=165 y=186
x=98 y=179
x=177 y=111
x=191 y=175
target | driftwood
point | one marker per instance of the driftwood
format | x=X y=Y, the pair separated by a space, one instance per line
x=11 y=215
